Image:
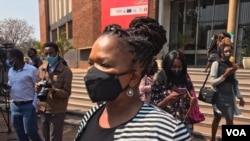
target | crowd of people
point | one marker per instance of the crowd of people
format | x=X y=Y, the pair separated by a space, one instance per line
x=38 y=87
x=135 y=100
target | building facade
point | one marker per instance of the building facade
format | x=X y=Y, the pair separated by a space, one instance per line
x=198 y=20
x=188 y=22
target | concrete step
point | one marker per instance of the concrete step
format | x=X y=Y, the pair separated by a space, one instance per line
x=204 y=107
x=79 y=107
x=204 y=129
x=200 y=70
x=79 y=99
x=78 y=89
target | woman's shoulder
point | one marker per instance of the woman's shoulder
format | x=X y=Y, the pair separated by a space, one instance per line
x=161 y=77
x=92 y=111
x=161 y=73
x=159 y=120
x=215 y=63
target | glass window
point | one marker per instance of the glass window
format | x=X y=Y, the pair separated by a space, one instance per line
x=62 y=29
x=212 y=17
x=54 y=35
x=70 y=28
x=213 y=20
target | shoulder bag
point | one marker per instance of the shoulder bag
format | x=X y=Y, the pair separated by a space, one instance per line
x=206 y=94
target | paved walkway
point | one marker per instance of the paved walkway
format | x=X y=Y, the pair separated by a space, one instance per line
x=69 y=132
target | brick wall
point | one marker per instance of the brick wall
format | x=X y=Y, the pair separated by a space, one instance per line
x=152 y=8
x=86 y=25
x=86 y=22
x=44 y=20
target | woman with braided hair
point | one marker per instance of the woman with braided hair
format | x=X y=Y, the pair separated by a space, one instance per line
x=118 y=60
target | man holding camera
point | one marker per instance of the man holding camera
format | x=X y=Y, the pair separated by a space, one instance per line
x=21 y=81
x=53 y=89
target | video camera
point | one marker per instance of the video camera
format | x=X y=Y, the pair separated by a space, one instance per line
x=3 y=51
x=42 y=95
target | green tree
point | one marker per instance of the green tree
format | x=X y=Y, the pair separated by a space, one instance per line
x=180 y=41
x=39 y=47
x=64 y=44
x=246 y=42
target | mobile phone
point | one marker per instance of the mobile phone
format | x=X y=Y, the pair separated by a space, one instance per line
x=182 y=90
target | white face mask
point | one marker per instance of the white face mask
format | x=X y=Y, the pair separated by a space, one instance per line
x=227 y=54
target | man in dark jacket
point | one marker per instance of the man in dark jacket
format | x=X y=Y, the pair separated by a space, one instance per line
x=53 y=90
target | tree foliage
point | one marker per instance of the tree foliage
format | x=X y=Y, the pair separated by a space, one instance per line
x=64 y=44
x=38 y=47
x=246 y=42
x=16 y=31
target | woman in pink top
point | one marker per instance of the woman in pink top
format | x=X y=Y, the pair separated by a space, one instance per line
x=147 y=81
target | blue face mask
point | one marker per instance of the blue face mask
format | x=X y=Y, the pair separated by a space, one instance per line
x=52 y=60
x=8 y=63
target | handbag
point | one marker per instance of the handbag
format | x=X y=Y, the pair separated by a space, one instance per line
x=206 y=94
x=194 y=114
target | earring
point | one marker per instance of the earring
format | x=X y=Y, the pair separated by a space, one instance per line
x=130 y=92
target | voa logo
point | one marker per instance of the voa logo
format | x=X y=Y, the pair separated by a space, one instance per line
x=236 y=132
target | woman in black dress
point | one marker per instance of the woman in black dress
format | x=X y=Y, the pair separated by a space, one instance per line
x=223 y=82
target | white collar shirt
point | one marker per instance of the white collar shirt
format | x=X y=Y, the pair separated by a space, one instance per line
x=22 y=83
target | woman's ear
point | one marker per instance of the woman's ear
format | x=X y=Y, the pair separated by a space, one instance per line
x=135 y=79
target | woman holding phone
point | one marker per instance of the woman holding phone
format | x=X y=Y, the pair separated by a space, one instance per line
x=179 y=96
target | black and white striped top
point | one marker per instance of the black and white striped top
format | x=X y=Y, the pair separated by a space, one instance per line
x=150 y=124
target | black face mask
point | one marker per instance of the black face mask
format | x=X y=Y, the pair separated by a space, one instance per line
x=176 y=73
x=226 y=58
x=31 y=54
x=102 y=86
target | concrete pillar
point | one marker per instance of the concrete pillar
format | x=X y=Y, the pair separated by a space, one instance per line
x=232 y=13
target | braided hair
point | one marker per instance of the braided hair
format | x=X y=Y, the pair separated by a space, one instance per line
x=155 y=34
x=144 y=40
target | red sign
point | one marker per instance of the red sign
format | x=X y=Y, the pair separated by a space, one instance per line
x=122 y=11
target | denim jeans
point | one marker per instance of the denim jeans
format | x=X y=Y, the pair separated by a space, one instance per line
x=24 y=121
x=189 y=128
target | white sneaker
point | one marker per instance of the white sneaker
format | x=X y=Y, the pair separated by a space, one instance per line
x=238 y=115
